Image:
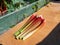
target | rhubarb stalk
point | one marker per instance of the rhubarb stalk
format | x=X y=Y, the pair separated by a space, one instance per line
x=23 y=30
x=32 y=32
x=28 y=21
x=33 y=26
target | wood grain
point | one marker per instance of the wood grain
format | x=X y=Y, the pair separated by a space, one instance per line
x=50 y=12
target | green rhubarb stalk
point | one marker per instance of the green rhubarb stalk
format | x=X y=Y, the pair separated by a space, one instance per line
x=33 y=26
x=17 y=37
x=28 y=21
x=28 y=35
x=32 y=32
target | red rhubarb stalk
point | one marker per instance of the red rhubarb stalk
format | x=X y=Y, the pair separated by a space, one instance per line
x=17 y=37
x=28 y=21
x=32 y=32
x=33 y=26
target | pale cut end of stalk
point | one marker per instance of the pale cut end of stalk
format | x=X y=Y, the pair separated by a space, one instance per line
x=17 y=37
x=16 y=33
x=28 y=35
x=40 y=16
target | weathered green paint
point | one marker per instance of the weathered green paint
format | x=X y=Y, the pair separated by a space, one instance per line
x=11 y=19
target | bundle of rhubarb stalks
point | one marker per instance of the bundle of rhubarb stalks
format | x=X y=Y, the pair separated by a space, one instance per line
x=29 y=27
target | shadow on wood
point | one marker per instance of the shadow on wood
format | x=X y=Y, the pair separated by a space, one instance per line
x=53 y=38
x=55 y=1
x=0 y=44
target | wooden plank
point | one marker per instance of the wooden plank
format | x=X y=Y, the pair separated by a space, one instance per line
x=50 y=12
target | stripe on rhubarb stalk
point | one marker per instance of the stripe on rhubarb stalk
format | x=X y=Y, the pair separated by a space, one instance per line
x=32 y=32
x=33 y=26
x=28 y=35
x=17 y=37
x=28 y=21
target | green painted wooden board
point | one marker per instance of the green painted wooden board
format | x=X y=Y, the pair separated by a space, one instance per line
x=9 y=20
